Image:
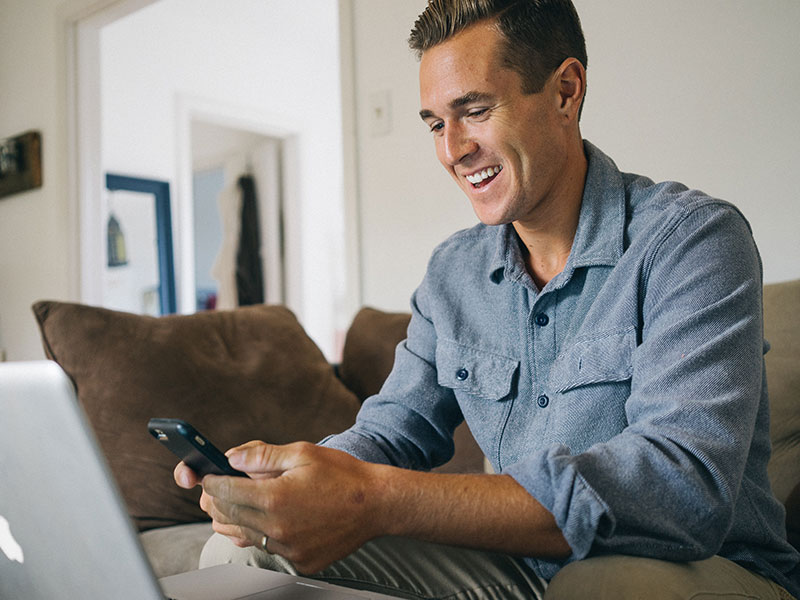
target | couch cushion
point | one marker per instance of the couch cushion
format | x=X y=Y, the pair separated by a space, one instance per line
x=368 y=353
x=250 y=373
x=782 y=330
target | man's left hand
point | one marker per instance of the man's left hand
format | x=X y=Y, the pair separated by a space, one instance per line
x=315 y=505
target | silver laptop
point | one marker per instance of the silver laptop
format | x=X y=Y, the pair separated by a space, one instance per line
x=64 y=530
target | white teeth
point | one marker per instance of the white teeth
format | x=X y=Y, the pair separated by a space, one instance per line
x=476 y=178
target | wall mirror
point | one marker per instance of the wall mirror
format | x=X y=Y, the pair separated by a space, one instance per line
x=139 y=274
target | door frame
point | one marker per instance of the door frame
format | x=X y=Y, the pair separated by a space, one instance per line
x=80 y=24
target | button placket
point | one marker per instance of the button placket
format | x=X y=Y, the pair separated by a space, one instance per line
x=543 y=345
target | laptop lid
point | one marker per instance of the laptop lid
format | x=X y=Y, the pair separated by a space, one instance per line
x=64 y=531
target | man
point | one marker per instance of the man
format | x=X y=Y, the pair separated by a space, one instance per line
x=601 y=335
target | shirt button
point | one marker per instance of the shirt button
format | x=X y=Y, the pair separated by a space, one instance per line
x=462 y=374
x=542 y=401
x=542 y=319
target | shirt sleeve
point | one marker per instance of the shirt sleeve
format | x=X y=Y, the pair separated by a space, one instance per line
x=411 y=422
x=667 y=485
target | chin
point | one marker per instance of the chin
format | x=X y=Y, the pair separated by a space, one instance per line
x=491 y=219
x=495 y=210
x=488 y=214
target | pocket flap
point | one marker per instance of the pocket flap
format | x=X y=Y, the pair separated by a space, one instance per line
x=596 y=360
x=474 y=371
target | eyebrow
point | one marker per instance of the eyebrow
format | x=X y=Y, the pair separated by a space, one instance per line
x=466 y=99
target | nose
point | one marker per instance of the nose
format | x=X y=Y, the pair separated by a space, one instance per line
x=455 y=145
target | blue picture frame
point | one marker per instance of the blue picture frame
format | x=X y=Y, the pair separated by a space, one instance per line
x=166 y=264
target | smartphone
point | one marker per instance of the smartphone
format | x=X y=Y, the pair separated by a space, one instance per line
x=191 y=447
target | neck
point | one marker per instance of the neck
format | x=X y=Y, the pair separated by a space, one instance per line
x=548 y=239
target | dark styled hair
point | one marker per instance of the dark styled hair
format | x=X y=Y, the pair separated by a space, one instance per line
x=538 y=35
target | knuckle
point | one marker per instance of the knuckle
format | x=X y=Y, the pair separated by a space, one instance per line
x=304 y=450
x=223 y=487
x=299 y=559
x=233 y=512
x=221 y=527
x=276 y=500
x=279 y=534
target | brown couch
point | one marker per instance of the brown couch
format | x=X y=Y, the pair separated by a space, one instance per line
x=253 y=373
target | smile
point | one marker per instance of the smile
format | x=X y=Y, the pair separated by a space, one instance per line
x=478 y=178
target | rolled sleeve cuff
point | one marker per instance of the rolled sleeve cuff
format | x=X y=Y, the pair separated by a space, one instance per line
x=552 y=478
x=358 y=445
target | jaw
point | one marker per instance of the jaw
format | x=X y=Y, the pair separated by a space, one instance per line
x=490 y=199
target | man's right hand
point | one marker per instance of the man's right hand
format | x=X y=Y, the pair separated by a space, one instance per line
x=315 y=504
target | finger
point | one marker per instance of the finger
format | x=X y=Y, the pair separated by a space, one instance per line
x=243 y=447
x=241 y=536
x=185 y=477
x=251 y=448
x=268 y=458
x=275 y=547
x=238 y=490
x=241 y=516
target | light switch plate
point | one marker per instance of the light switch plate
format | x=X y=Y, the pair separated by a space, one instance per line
x=380 y=112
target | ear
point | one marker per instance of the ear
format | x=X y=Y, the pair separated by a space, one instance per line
x=571 y=79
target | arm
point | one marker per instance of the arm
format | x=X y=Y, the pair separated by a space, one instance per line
x=325 y=504
x=670 y=485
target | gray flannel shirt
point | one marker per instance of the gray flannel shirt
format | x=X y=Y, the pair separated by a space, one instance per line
x=628 y=396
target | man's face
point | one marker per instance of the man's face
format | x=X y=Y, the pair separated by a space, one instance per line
x=504 y=148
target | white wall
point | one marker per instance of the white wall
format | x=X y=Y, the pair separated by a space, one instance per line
x=696 y=91
x=701 y=92
x=408 y=202
x=248 y=58
x=705 y=93
x=34 y=250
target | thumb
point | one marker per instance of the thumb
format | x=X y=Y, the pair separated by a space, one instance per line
x=259 y=458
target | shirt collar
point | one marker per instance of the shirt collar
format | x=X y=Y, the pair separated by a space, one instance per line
x=601 y=224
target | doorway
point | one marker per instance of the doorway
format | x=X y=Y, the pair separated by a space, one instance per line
x=289 y=81
x=221 y=158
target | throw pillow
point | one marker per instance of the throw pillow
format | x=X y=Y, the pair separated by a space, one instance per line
x=250 y=373
x=368 y=353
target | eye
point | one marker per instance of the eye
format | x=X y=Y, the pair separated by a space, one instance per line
x=478 y=113
x=436 y=127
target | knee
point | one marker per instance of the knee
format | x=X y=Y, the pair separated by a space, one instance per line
x=219 y=550
x=604 y=578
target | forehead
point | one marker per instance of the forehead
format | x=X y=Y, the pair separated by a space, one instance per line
x=468 y=62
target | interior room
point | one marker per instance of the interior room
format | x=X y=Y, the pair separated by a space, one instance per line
x=161 y=120
x=706 y=112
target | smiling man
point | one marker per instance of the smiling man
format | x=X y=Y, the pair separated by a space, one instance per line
x=518 y=156
x=596 y=333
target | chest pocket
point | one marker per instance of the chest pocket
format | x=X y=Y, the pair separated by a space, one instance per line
x=603 y=359
x=474 y=371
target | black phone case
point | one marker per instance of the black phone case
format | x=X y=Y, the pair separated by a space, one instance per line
x=192 y=447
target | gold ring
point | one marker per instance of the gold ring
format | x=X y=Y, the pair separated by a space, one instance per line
x=264 y=540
